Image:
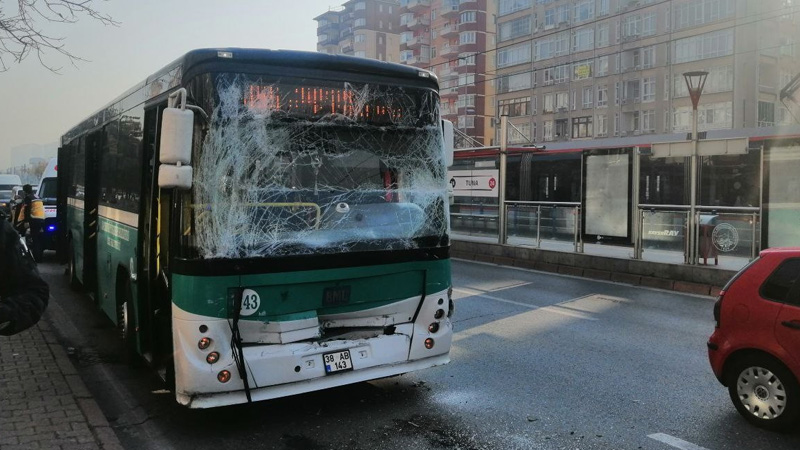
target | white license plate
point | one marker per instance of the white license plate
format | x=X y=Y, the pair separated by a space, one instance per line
x=337 y=362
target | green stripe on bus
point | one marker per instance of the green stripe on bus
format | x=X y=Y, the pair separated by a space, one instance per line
x=285 y=295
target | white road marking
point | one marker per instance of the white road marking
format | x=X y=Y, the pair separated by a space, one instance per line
x=553 y=309
x=675 y=442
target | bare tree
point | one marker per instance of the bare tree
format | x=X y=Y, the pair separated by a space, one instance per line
x=21 y=32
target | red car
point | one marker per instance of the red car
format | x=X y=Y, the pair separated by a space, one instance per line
x=755 y=348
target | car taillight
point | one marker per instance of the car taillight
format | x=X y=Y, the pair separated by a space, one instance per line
x=718 y=307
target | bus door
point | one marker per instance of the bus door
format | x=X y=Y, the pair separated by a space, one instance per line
x=154 y=300
x=91 y=221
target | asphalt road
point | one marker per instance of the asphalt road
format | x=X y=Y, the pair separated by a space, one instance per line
x=539 y=361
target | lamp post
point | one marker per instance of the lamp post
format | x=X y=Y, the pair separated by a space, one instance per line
x=695 y=81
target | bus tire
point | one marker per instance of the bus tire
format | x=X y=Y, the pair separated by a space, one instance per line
x=125 y=322
x=74 y=283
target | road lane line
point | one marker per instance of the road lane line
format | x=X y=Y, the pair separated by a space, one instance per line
x=675 y=442
x=553 y=308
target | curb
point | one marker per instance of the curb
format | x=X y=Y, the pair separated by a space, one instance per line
x=95 y=419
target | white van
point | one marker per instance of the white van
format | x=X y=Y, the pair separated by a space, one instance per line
x=48 y=192
x=7 y=184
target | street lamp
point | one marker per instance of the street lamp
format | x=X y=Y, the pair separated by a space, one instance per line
x=695 y=81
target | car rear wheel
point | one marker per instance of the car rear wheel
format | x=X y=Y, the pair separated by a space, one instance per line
x=764 y=392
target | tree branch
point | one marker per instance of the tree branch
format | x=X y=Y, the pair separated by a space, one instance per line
x=22 y=33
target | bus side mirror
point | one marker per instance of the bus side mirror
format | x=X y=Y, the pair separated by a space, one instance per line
x=449 y=141
x=175 y=149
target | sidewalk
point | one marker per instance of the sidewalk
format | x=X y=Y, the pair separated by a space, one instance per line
x=43 y=402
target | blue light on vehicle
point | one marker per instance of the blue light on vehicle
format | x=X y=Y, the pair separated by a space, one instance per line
x=51 y=228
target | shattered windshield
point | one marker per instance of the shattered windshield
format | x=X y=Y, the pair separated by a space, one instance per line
x=293 y=166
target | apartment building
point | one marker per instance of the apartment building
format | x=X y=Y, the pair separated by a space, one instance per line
x=587 y=69
x=364 y=28
x=454 y=39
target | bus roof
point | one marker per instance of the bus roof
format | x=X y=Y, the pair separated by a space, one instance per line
x=174 y=74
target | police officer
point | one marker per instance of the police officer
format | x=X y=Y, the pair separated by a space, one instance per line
x=23 y=293
x=31 y=215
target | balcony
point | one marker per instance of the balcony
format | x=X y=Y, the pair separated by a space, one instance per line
x=448 y=72
x=448 y=91
x=418 y=5
x=418 y=41
x=467 y=3
x=450 y=10
x=417 y=60
x=347 y=48
x=449 y=51
x=418 y=22
x=448 y=31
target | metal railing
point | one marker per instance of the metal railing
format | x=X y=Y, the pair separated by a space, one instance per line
x=525 y=219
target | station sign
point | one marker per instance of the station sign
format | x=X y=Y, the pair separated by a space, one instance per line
x=474 y=183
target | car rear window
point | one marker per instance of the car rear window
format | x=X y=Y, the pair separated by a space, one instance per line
x=781 y=281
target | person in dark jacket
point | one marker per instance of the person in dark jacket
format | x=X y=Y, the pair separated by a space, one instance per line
x=23 y=293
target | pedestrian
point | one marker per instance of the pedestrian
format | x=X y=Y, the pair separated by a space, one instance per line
x=30 y=217
x=23 y=292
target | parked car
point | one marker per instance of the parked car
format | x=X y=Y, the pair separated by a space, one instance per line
x=755 y=348
x=7 y=184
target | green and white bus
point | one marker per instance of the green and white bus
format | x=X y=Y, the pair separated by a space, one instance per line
x=265 y=223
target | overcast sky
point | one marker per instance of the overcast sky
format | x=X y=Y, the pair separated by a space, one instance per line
x=37 y=106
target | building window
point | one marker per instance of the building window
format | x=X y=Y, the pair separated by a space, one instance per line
x=514 y=82
x=720 y=79
x=583 y=39
x=322 y=37
x=766 y=114
x=465 y=100
x=648 y=89
x=601 y=66
x=561 y=73
x=602 y=7
x=582 y=70
x=649 y=24
x=514 y=107
x=360 y=6
x=467 y=37
x=466 y=122
x=466 y=79
x=582 y=127
x=710 y=116
x=406 y=55
x=516 y=54
x=698 y=12
x=648 y=121
x=602 y=125
x=562 y=101
x=514 y=29
x=520 y=133
x=602 y=35
x=648 y=57
x=466 y=60
x=510 y=6
x=562 y=128
x=359 y=38
x=708 y=45
x=361 y=54
x=602 y=96
x=469 y=17
x=584 y=10
x=588 y=96
x=360 y=22
x=548 y=130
